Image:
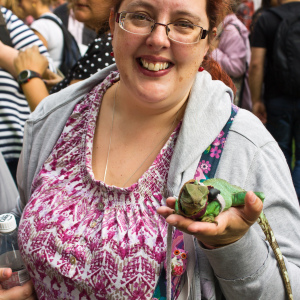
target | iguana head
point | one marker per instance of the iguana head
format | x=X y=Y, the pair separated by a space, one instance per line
x=193 y=199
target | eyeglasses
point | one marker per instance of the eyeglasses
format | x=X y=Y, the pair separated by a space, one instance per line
x=182 y=31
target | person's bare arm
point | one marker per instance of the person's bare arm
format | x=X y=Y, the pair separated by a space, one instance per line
x=35 y=89
x=75 y=81
x=256 y=75
x=7 y=56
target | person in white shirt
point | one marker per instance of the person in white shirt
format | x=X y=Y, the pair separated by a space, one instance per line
x=47 y=30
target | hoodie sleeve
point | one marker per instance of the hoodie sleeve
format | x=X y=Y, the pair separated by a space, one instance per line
x=248 y=269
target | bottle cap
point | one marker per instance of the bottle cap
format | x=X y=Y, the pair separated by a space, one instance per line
x=7 y=223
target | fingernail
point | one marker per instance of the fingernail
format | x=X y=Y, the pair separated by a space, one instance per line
x=4 y=273
x=252 y=198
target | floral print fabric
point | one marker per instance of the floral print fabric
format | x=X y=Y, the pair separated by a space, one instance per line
x=211 y=156
x=83 y=239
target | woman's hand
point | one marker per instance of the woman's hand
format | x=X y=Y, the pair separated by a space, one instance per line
x=259 y=110
x=31 y=59
x=24 y=292
x=51 y=79
x=232 y=224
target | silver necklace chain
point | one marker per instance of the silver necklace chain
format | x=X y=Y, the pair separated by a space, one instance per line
x=111 y=130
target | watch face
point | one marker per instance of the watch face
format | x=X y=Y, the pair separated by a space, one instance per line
x=24 y=75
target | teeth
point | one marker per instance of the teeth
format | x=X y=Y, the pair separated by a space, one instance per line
x=154 y=67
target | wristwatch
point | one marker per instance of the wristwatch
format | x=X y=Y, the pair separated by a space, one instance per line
x=26 y=75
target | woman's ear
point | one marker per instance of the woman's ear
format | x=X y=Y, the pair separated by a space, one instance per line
x=214 y=32
x=112 y=20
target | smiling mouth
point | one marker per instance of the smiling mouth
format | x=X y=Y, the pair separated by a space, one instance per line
x=158 y=66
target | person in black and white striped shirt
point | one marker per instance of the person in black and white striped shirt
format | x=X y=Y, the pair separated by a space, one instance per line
x=14 y=109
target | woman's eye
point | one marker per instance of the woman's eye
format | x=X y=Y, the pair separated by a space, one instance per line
x=139 y=17
x=184 y=25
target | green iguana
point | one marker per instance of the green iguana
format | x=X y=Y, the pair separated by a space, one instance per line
x=204 y=201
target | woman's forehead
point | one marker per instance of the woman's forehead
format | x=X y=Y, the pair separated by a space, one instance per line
x=173 y=5
x=191 y=8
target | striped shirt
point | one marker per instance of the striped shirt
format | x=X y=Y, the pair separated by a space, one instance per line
x=14 y=109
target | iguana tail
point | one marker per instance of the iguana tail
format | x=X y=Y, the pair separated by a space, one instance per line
x=264 y=224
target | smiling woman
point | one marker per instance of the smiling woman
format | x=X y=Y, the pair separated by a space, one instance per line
x=96 y=194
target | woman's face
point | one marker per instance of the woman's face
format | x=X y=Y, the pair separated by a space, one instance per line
x=180 y=62
x=27 y=7
x=91 y=12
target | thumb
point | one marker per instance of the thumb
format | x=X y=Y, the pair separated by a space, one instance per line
x=253 y=207
x=5 y=273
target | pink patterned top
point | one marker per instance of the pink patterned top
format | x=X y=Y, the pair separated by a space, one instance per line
x=83 y=239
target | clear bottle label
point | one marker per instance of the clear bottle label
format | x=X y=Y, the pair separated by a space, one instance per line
x=13 y=260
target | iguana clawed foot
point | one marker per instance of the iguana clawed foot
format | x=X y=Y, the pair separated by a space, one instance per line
x=209 y=219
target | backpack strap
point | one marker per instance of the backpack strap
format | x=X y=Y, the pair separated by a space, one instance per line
x=4 y=33
x=49 y=17
x=206 y=169
x=70 y=51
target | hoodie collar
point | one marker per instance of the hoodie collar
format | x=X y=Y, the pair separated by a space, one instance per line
x=207 y=111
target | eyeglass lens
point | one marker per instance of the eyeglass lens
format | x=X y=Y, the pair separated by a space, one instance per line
x=183 y=32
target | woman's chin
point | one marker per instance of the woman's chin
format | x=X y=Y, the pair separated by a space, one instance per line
x=81 y=15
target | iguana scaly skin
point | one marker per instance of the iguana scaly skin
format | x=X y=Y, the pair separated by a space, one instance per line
x=206 y=200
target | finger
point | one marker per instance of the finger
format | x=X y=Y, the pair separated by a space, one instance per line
x=171 y=202
x=32 y=297
x=253 y=207
x=5 y=273
x=51 y=82
x=19 y=292
x=165 y=211
x=180 y=222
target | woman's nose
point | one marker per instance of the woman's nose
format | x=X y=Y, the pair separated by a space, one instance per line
x=158 y=37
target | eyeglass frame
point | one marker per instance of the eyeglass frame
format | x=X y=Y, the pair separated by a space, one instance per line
x=201 y=35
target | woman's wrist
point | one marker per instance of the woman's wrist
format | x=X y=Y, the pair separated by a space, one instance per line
x=210 y=247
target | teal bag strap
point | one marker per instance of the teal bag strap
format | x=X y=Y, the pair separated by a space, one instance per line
x=206 y=169
x=210 y=158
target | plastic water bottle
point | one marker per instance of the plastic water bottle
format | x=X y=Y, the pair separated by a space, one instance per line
x=10 y=256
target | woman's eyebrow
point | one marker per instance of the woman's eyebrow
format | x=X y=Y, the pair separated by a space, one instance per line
x=188 y=14
x=145 y=4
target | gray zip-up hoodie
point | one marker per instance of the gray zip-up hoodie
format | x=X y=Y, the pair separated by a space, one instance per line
x=246 y=269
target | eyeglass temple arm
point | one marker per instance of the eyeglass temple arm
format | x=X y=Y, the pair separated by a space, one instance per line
x=204 y=34
x=118 y=17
